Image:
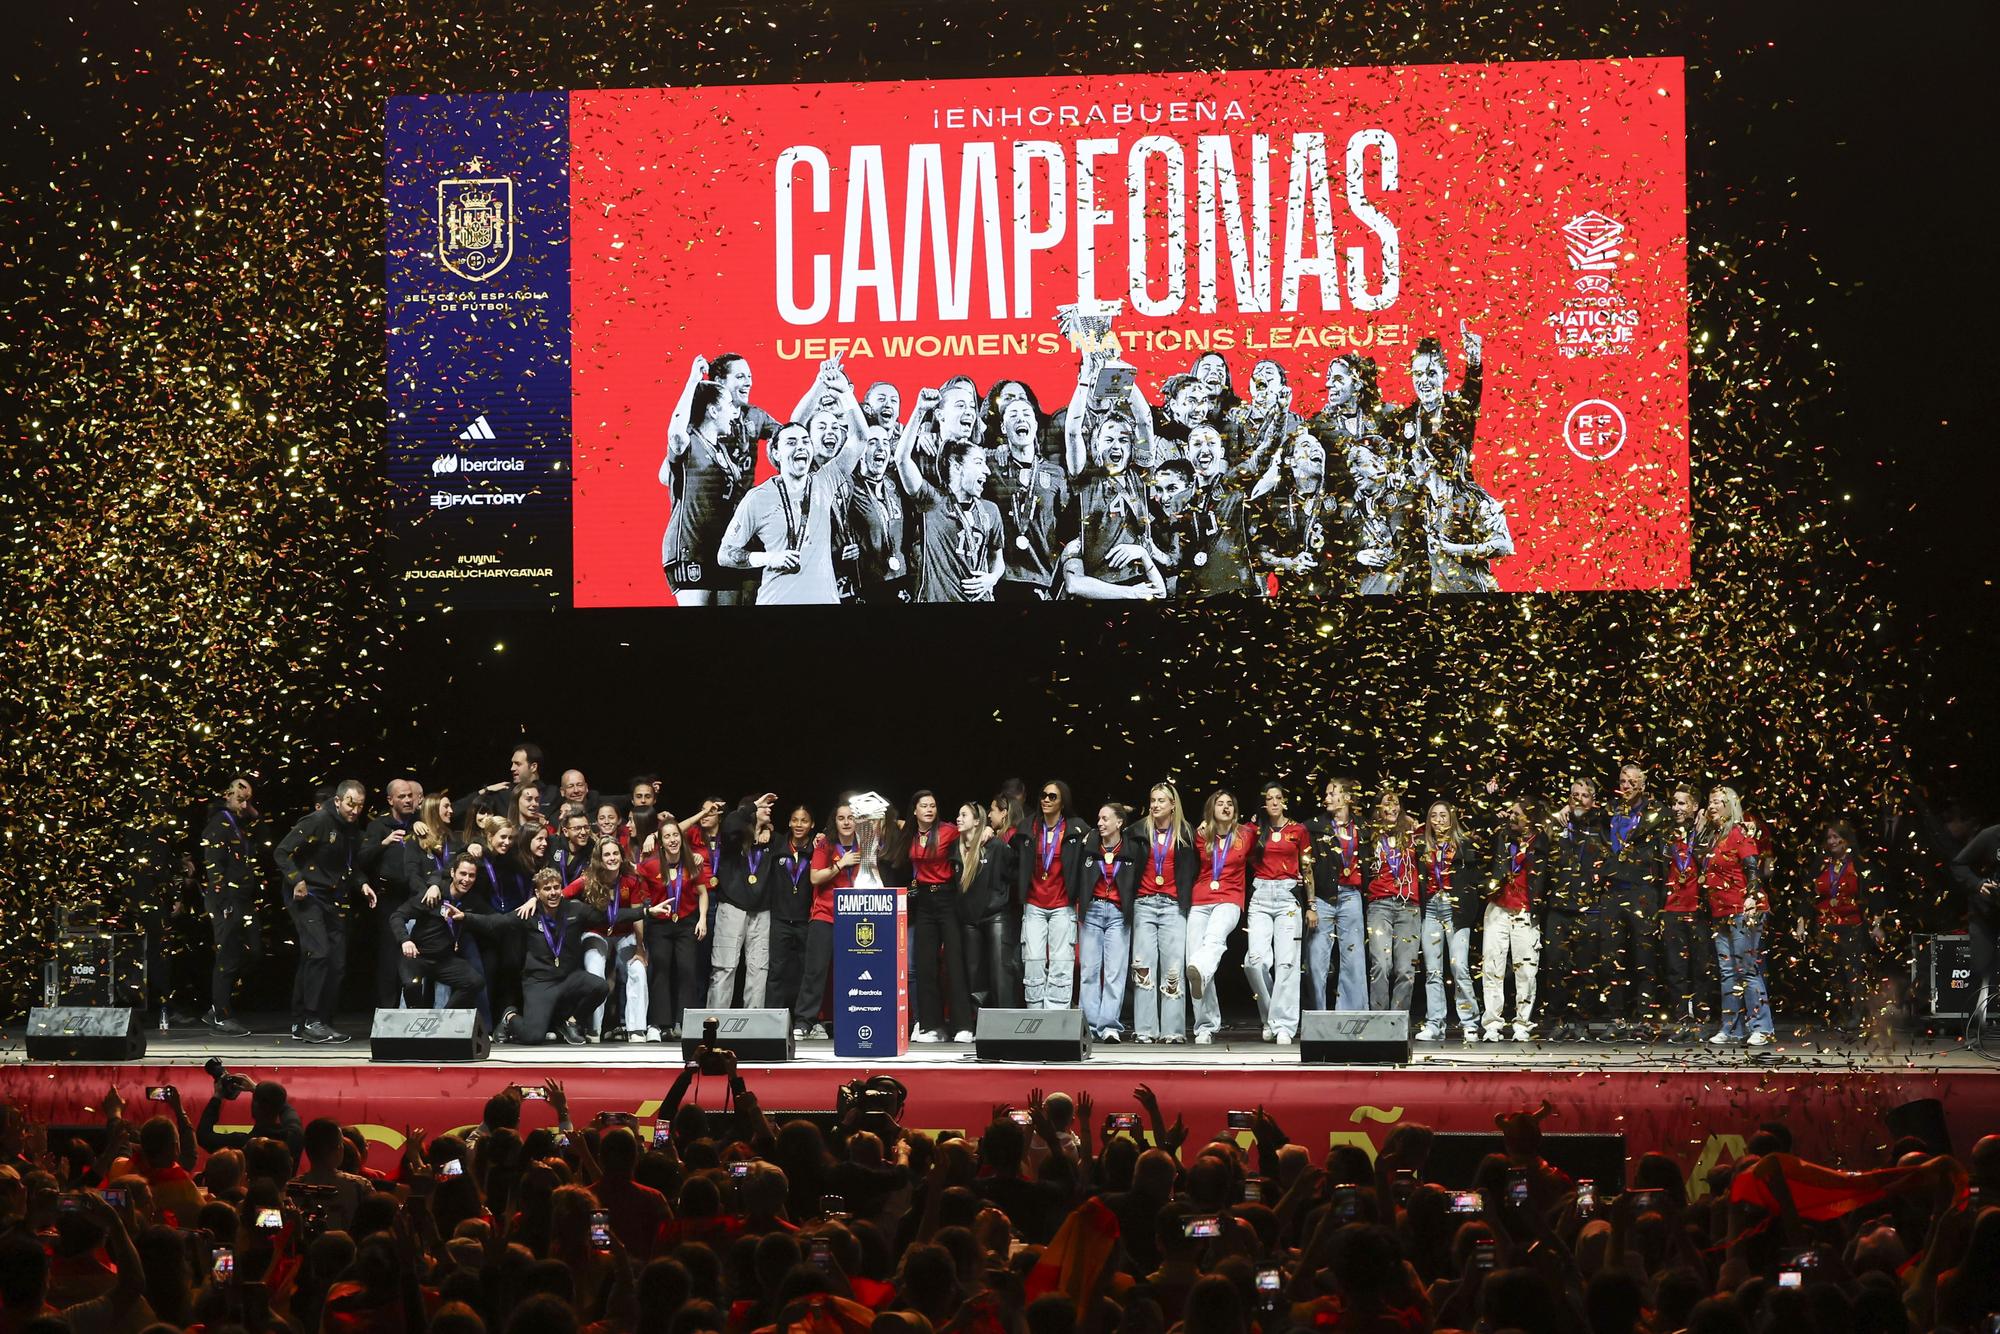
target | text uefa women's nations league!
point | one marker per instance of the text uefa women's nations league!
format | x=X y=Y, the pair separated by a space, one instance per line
x=1298 y=333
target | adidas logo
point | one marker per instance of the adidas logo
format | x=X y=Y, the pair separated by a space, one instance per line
x=866 y=976
x=479 y=430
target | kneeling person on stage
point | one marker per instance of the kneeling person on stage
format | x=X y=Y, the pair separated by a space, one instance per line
x=433 y=942
x=556 y=990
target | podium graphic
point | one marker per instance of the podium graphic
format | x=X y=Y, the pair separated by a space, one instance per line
x=871 y=950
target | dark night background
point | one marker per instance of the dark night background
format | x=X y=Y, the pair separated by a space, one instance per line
x=1842 y=143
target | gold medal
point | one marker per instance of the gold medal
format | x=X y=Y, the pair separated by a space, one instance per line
x=1159 y=880
x=1215 y=884
x=753 y=879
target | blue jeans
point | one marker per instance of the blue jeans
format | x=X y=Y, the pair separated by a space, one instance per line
x=1440 y=936
x=1739 y=958
x=1159 y=954
x=1107 y=948
x=1339 y=928
x=1393 y=932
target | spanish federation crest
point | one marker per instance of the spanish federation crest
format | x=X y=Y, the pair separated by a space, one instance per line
x=864 y=933
x=476 y=225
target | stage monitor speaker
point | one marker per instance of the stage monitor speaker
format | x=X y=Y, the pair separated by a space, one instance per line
x=85 y=1033
x=1354 y=1037
x=1455 y=1157
x=758 y=1037
x=428 y=1035
x=1031 y=1037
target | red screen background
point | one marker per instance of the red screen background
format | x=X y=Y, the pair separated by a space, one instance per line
x=672 y=243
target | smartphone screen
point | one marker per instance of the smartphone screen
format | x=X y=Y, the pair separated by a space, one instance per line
x=1790 y=1278
x=1483 y=1256
x=1404 y=1184
x=1346 y=1203
x=739 y=1170
x=1020 y=1118
x=833 y=1206
x=1467 y=1202
x=600 y=1229
x=224 y=1262
x=452 y=1167
x=1206 y=1226
x=534 y=1094
x=270 y=1220
x=114 y=1196
x=1586 y=1198
x=1124 y=1120
x=1253 y=1192
x=662 y=1134
x=1517 y=1186
x=156 y=1093
x=1270 y=1281
x=1239 y=1120
x=821 y=1253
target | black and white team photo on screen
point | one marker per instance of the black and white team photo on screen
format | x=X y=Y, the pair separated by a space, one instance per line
x=954 y=494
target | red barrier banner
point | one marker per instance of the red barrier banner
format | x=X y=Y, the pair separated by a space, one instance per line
x=1697 y=1117
x=1465 y=285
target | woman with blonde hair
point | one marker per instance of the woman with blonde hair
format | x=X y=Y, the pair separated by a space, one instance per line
x=1160 y=920
x=1452 y=903
x=615 y=948
x=1393 y=891
x=1729 y=876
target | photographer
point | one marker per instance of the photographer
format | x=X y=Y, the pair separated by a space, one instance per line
x=271 y=1114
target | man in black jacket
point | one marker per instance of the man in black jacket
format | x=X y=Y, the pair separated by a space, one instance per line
x=320 y=864
x=433 y=944
x=1580 y=842
x=382 y=858
x=230 y=884
x=1629 y=926
x=556 y=991
x=1976 y=869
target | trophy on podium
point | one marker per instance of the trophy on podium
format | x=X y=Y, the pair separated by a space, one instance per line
x=869 y=809
x=871 y=960
x=1087 y=325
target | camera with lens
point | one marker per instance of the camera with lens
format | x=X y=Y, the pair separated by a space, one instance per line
x=708 y=1057
x=880 y=1096
x=227 y=1086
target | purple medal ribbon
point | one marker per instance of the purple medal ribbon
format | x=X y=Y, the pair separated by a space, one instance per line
x=555 y=939
x=1051 y=842
x=1222 y=855
x=1162 y=843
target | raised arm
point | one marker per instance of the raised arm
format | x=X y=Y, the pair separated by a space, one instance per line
x=1076 y=430
x=906 y=443
x=679 y=428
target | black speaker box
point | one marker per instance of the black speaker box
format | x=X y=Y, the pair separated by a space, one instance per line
x=1455 y=1157
x=1354 y=1037
x=85 y=1033
x=1031 y=1037
x=428 y=1035
x=758 y=1037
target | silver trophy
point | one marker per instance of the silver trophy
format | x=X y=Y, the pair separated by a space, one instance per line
x=1087 y=325
x=869 y=810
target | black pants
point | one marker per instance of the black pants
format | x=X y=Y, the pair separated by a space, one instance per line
x=322 y=931
x=547 y=1002
x=788 y=962
x=453 y=971
x=1013 y=966
x=1628 y=963
x=813 y=977
x=936 y=926
x=389 y=982
x=1561 y=980
x=986 y=960
x=501 y=958
x=1982 y=928
x=673 y=973
x=232 y=918
x=1687 y=946
x=1846 y=988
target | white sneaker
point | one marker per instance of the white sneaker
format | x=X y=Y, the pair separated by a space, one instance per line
x=925 y=1035
x=1204 y=1039
x=1721 y=1039
x=1194 y=981
x=1522 y=1033
x=1267 y=1033
x=650 y=1035
x=1283 y=1038
x=963 y=1035
x=1471 y=1037
x=1493 y=1034
x=1761 y=1040
x=1429 y=1033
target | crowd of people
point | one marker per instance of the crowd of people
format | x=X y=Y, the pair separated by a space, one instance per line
x=567 y=914
x=983 y=496
x=1047 y=1220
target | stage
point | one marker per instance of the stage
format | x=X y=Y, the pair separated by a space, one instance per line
x=1696 y=1103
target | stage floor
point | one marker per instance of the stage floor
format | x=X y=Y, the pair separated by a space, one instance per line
x=1820 y=1050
